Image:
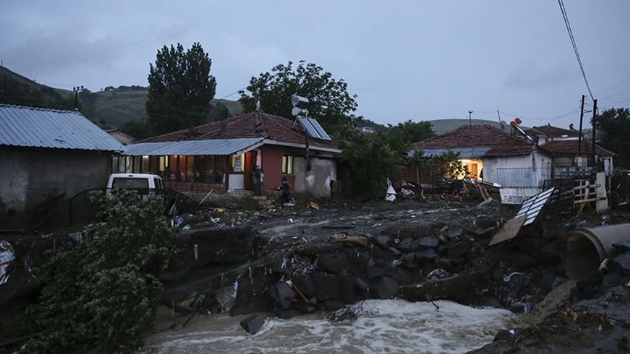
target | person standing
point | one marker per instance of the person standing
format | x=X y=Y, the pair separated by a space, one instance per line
x=256 y=180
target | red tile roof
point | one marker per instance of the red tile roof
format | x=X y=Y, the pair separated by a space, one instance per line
x=551 y=131
x=249 y=125
x=570 y=148
x=479 y=136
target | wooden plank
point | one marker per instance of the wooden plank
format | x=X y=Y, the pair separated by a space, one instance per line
x=509 y=230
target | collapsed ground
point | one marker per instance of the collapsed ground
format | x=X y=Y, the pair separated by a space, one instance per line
x=310 y=257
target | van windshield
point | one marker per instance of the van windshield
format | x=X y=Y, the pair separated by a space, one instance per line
x=130 y=183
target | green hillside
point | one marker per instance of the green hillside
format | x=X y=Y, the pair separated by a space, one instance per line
x=441 y=126
x=19 y=90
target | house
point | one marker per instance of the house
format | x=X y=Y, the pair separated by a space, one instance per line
x=221 y=156
x=48 y=153
x=520 y=163
x=121 y=136
x=492 y=155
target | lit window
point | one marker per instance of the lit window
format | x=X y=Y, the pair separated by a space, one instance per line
x=287 y=165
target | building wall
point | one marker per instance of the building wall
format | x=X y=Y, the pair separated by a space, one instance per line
x=518 y=171
x=315 y=182
x=31 y=176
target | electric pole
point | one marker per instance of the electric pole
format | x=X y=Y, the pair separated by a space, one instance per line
x=580 y=136
x=469 y=118
x=594 y=131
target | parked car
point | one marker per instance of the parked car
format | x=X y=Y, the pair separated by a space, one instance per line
x=146 y=184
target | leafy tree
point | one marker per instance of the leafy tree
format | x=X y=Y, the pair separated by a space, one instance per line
x=330 y=102
x=614 y=133
x=180 y=89
x=102 y=293
x=449 y=164
x=369 y=160
x=402 y=135
x=136 y=129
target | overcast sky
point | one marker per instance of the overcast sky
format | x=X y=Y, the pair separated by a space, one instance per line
x=404 y=59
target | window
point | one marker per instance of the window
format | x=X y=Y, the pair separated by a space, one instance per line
x=287 y=165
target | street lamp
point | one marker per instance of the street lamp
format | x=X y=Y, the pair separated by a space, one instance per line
x=469 y=118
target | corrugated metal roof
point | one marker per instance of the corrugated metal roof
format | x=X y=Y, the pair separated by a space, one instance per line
x=53 y=129
x=193 y=147
x=466 y=153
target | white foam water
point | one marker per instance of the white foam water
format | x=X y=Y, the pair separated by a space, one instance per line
x=383 y=326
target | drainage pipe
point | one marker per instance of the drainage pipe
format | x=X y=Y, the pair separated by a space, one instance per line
x=586 y=248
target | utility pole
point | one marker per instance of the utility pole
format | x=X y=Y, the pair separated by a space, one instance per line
x=469 y=118
x=594 y=131
x=580 y=136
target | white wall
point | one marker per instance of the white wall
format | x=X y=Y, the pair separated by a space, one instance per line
x=315 y=182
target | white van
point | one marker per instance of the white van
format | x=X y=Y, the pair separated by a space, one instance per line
x=147 y=184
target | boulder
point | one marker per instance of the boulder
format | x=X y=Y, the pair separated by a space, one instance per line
x=621 y=263
x=425 y=242
x=282 y=294
x=387 y=288
x=253 y=323
x=384 y=241
x=406 y=244
x=425 y=256
x=332 y=262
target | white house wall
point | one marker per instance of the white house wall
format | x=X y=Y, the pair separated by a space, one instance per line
x=315 y=182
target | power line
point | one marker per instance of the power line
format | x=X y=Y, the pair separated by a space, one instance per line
x=575 y=49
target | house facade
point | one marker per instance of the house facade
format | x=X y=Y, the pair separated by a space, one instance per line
x=223 y=156
x=492 y=155
x=47 y=154
x=520 y=161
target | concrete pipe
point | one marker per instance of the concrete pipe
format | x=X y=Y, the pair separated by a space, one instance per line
x=586 y=248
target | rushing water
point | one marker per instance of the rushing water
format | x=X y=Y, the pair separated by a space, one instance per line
x=383 y=326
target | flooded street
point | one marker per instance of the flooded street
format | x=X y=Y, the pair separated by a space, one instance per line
x=383 y=326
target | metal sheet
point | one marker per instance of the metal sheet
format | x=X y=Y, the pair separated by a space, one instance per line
x=532 y=206
x=194 y=147
x=49 y=128
x=508 y=230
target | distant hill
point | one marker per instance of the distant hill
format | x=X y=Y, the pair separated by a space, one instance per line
x=19 y=90
x=441 y=126
x=110 y=108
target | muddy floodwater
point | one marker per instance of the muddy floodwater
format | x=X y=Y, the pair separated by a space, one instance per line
x=382 y=326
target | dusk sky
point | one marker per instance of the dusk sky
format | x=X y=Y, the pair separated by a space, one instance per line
x=404 y=59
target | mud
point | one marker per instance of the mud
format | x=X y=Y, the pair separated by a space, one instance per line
x=416 y=250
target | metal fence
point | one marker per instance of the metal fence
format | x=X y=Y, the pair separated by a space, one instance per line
x=522 y=177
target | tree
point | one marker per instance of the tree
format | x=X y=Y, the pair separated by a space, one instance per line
x=613 y=126
x=180 y=89
x=369 y=160
x=102 y=293
x=330 y=102
x=406 y=133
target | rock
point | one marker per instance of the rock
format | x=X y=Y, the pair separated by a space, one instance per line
x=621 y=263
x=384 y=241
x=410 y=258
x=445 y=263
x=387 y=288
x=436 y=274
x=332 y=262
x=374 y=272
x=282 y=295
x=326 y=286
x=406 y=244
x=253 y=323
x=394 y=251
x=457 y=249
x=425 y=256
x=453 y=233
x=516 y=282
x=286 y=313
x=425 y=242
